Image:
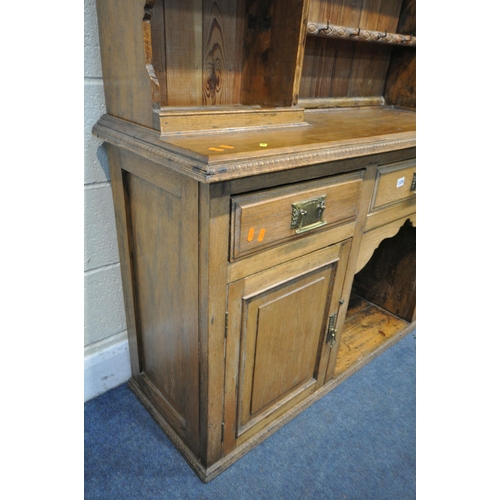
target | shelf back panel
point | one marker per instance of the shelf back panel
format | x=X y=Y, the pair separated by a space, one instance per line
x=343 y=68
x=225 y=53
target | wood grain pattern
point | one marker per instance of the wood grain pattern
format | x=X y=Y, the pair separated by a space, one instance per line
x=338 y=68
x=271 y=211
x=331 y=135
x=221 y=45
x=287 y=251
x=127 y=85
x=325 y=128
x=401 y=78
x=389 y=277
x=164 y=260
x=174 y=120
x=363 y=81
x=184 y=52
x=147 y=30
x=366 y=328
x=273 y=51
x=227 y=306
x=120 y=203
x=213 y=238
x=281 y=340
x=393 y=184
x=350 y=15
x=158 y=56
x=340 y=102
x=263 y=355
x=376 y=71
x=256 y=49
x=343 y=299
x=360 y=35
x=286 y=57
x=373 y=238
x=405 y=208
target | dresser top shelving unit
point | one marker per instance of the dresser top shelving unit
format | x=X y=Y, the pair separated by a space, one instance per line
x=289 y=74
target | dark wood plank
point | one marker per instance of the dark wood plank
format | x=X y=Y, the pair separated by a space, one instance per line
x=341 y=68
x=220 y=48
x=184 y=52
x=389 y=277
x=387 y=20
x=401 y=78
x=273 y=51
x=362 y=56
x=350 y=15
x=256 y=49
x=158 y=49
x=286 y=57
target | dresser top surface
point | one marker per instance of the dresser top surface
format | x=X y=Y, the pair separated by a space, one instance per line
x=324 y=136
x=320 y=128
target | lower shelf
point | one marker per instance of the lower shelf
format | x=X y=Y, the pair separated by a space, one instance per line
x=367 y=328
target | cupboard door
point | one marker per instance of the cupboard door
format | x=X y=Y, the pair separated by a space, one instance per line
x=277 y=331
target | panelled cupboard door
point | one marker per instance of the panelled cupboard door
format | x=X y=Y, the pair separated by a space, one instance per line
x=277 y=349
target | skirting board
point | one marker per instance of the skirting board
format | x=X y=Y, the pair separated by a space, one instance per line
x=106 y=369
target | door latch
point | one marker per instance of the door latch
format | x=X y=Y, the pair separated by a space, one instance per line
x=331 y=336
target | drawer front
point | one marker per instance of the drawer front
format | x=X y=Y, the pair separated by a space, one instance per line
x=267 y=218
x=394 y=183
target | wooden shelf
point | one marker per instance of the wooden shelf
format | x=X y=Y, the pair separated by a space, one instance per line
x=358 y=35
x=367 y=328
x=339 y=102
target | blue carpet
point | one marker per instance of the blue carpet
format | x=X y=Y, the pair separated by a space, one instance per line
x=356 y=443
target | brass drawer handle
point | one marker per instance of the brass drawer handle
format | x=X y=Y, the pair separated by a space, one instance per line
x=307 y=215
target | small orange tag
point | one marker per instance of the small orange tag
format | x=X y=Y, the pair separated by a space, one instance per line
x=251 y=232
x=261 y=234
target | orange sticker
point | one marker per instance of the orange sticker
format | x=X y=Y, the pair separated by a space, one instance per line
x=216 y=149
x=251 y=232
x=226 y=147
x=261 y=234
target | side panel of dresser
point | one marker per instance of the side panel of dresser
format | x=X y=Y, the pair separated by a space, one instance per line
x=157 y=222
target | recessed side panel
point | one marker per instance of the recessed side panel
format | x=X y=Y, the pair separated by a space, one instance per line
x=163 y=244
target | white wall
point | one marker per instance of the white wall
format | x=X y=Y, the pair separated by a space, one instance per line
x=106 y=348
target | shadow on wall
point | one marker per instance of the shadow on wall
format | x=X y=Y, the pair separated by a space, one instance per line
x=102 y=158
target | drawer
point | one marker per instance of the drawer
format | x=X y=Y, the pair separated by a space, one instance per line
x=394 y=183
x=270 y=217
